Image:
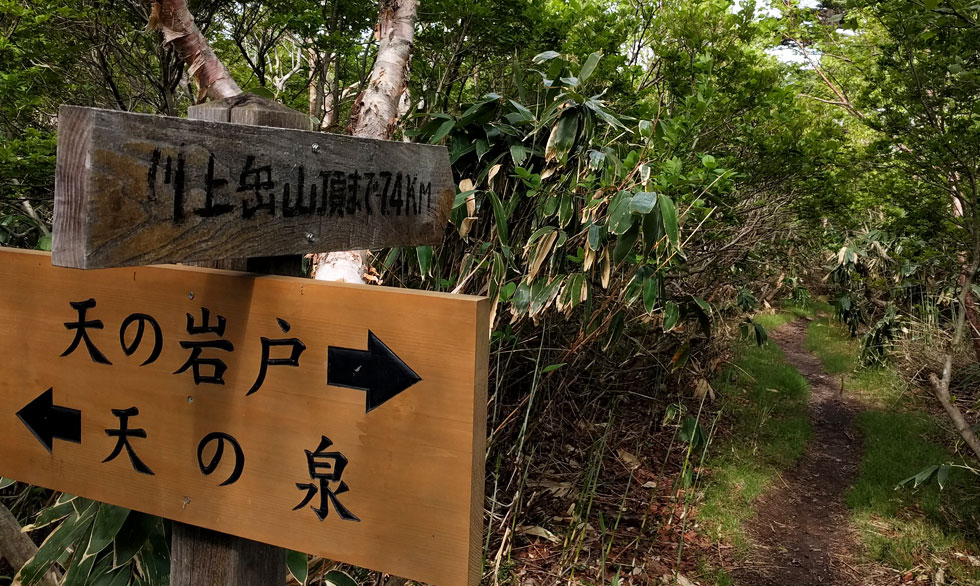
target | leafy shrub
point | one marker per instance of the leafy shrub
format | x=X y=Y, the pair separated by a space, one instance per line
x=745 y=300
x=750 y=329
x=879 y=339
x=567 y=208
x=801 y=297
x=100 y=544
x=848 y=312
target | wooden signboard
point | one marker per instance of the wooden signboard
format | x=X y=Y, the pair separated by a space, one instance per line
x=341 y=420
x=133 y=189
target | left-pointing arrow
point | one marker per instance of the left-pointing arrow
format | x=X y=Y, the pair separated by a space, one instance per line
x=48 y=421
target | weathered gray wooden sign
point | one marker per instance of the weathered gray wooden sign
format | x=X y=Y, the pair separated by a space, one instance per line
x=134 y=189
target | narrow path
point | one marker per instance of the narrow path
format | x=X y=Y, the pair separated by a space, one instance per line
x=800 y=532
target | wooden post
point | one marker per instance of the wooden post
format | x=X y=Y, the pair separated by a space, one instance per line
x=201 y=556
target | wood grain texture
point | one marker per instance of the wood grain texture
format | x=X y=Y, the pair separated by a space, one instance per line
x=134 y=189
x=415 y=471
x=71 y=173
x=201 y=556
x=252 y=110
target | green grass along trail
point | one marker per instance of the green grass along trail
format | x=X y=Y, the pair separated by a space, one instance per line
x=803 y=483
x=801 y=533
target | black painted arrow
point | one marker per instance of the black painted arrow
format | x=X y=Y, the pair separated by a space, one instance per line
x=48 y=421
x=377 y=370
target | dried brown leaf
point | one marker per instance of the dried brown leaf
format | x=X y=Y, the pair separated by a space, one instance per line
x=631 y=461
x=606 y=268
x=538 y=531
x=493 y=173
x=541 y=253
x=465 y=226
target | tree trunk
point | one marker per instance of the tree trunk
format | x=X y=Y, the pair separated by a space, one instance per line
x=179 y=30
x=17 y=548
x=375 y=114
x=973 y=320
x=316 y=84
x=332 y=100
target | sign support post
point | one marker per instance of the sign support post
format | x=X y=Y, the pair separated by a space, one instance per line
x=198 y=555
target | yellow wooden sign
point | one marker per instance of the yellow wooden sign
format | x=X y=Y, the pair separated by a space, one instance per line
x=341 y=420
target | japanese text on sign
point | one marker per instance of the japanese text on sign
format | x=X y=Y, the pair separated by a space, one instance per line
x=261 y=190
x=326 y=467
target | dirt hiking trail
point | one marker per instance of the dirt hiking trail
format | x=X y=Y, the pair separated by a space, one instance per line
x=800 y=531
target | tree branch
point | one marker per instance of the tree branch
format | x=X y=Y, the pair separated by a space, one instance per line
x=940 y=386
x=838 y=91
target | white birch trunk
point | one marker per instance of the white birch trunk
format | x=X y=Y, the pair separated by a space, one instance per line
x=375 y=114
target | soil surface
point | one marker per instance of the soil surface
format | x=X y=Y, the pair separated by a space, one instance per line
x=800 y=532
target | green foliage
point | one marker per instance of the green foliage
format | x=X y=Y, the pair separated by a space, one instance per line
x=921 y=522
x=899 y=444
x=750 y=329
x=619 y=166
x=838 y=353
x=770 y=321
x=848 y=311
x=799 y=294
x=558 y=183
x=903 y=79
x=880 y=338
x=298 y=565
x=745 y=300
x=99 y=544
x=338 y=578
x=934 y=518
x=692 y=433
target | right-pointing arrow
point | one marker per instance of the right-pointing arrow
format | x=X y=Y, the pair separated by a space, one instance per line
x=48 y=421
x=377 y=370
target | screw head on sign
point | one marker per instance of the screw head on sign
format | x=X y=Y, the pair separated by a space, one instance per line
x=316 y=148
x=310 y=237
